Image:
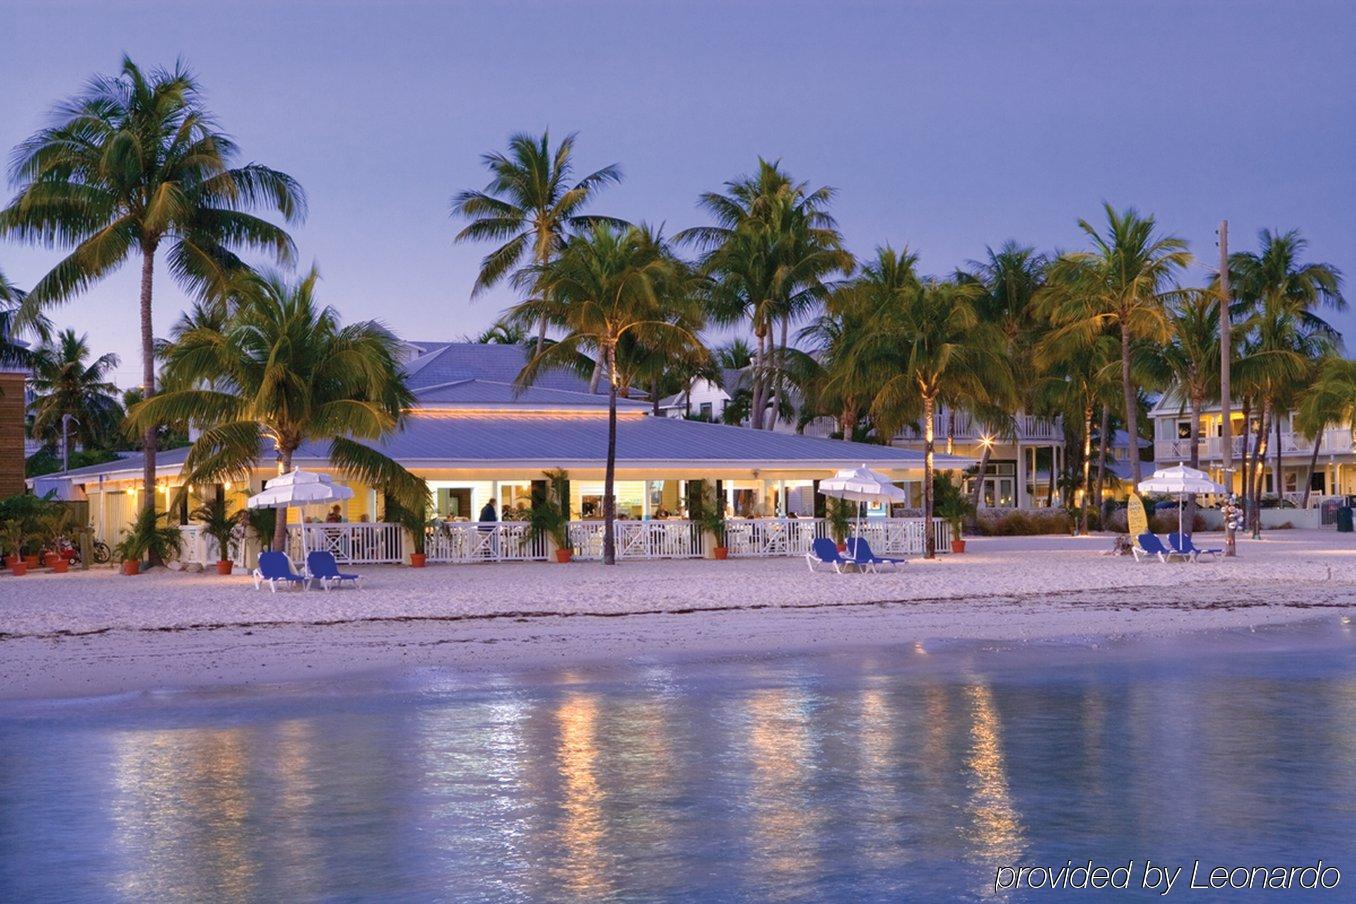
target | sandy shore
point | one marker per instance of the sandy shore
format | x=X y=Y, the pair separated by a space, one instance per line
x=97 y=633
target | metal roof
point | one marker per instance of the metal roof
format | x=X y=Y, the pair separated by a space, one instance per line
x=476 y=393
x=455 y=361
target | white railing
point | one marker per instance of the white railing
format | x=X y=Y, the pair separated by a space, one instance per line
x=638 y=539
x=965 y=428
x=356 y=543
x=500 y=541
x=199 y=547
x=761 y=537
x=1336 y=441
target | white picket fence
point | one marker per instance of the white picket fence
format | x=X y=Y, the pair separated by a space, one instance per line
x=203 y=549
x=363 y=543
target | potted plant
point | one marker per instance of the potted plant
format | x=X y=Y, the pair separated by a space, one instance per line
x=12 y=530
x=147 y=536
x=550 y=517
x=839 y=514
x=711 y=520
x=54 y=527
x=217 y=523
x=416 y=521
x=953 y=506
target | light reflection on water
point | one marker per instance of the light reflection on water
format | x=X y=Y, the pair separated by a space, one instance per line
x=879 y=775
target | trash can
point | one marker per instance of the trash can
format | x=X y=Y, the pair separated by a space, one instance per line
x=1344 y=519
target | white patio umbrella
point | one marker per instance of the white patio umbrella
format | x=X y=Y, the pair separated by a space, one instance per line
x=299 y=488
x=1182 y=481
x=861 y=485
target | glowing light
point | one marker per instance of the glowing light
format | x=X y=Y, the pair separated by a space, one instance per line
x=986 y=440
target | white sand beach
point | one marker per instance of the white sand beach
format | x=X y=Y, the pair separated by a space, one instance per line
x=98 y=632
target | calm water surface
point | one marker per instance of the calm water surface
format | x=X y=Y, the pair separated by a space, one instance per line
x=892 y=774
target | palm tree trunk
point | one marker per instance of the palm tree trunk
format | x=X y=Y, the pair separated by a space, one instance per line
x=1131 y=408
x=1087 y=467
x=977 y=491
x=148 y=438
x=758 y=390
x=1313 y=463
x=951 y=430
x=280 y=525
x=779 y=373
x=1260 y=468
x=930 y=543
x=1245 y=456
x=541 y=334
x=654 y=396
x=1050 y=485
x=1103 y=444
x=610 y=475
x=1197 y=403
x=1280 y=478
x=596 y=376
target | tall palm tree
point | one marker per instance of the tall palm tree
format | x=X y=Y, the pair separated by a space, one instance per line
x=1330 y=399
x=930 y=345
x=530 y=206
x=1121 y=284
x=606 y=287
x=66 y=382
x=132 y=166
x=1189 y=361
x=1011 y=277
x=287 y=370
x=772 y=252
x=1278 y=299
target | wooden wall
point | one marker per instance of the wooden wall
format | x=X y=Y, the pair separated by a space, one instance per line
x=11 y=433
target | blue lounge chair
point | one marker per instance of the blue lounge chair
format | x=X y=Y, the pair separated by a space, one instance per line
x=1148 y=545
x=824 y=551
x=1183 y=545
x=862 y=556
x=276 y=568
x=321 y=566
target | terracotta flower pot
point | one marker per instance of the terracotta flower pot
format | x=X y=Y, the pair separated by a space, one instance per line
x=225 y=567
x=32 y=561
x=418 y=559
x=958 y=546
x=51 y=560
x=842 y=546
x=58 y=565
x=720 y=552
x=17 y=567
x=563 y=556
x=131 y=566
x=12 y=559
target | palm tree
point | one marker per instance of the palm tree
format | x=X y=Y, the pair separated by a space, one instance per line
x=66 y=382
x=1122 y=284
x=1011 y=278
x=1076 y=374
x=840 y=383
x=286 y=369
x=12 y=350
x=1329 y=399
x=929 y=345
x=1277 y=298
x=1189 y=361
x=606 y=287
x=133 y=165
x=530 y=206
x=771 y=253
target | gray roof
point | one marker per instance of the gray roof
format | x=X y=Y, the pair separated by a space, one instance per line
x=455 y=361
x=491 y=394
x=546 y=440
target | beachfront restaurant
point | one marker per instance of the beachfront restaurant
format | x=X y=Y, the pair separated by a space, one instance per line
x=483 y=441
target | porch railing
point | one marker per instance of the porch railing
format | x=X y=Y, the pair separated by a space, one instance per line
x=503 y=541
x=356 y=543
x=200 y=548
x=1336 y=441
x=377 y=543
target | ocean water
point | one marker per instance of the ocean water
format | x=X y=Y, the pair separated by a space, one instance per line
x=889 y=774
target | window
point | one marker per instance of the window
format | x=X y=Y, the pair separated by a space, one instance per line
x=706 y=410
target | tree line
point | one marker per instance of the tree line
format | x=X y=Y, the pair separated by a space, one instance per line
x=134 y=168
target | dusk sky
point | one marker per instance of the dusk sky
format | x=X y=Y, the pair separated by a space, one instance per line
x=944 y=126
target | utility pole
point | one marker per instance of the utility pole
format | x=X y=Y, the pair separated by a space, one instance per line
x=1226 y=431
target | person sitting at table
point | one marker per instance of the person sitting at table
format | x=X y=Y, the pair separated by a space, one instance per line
x=335 y=516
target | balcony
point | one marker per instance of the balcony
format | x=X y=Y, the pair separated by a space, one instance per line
x=1029 y=428
x=1337 y=441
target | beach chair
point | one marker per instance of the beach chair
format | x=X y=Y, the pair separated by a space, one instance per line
x=824 y=551
x=863 y=557
x=322 y=567
x=1183 y=545
x=1148 y=545
x=276 y=568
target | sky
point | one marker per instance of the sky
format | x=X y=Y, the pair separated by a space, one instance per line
x=944 y=126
